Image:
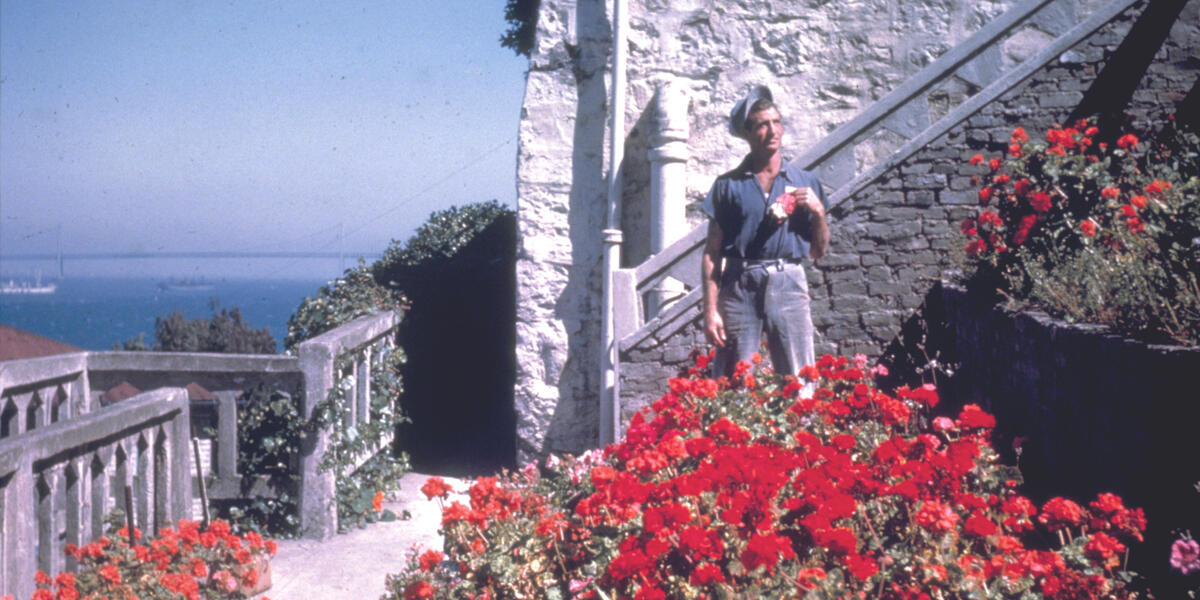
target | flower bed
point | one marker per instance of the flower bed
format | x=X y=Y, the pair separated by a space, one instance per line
x=189 y=563
x=740 y=488
x=1094 y=232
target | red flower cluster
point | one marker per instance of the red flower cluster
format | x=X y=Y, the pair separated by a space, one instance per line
x=184 y=562
x=738 y=487
x=1025 y=196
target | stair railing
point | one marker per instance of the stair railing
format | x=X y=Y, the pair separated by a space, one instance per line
x=903 y=112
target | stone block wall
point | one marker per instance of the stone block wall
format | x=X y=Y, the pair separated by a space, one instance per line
x=826 y=62
x=898 y=235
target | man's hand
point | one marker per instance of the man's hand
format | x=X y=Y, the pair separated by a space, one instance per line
x=819 y=232
x=714 y=328
x=808 y=199
x=710 y=273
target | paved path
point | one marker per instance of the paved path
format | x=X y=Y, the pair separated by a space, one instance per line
x=353 y=566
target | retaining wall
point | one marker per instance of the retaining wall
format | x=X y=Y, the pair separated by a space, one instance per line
x=1092 y=411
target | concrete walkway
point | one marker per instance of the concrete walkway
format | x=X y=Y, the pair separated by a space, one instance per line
x=353 y=566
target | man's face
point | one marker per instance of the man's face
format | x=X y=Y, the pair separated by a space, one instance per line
x=764 y=131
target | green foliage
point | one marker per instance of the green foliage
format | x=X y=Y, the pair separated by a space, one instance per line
x=353 y=295
x=1098 y=233
x=442 y=235
x=225 y=332
x=521 y=16
x=359 y=486
x=137 y=344
x=270 y=426
x=273 y=423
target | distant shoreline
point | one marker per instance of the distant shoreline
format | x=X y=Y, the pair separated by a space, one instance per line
x=96 y=312
x=175 y=255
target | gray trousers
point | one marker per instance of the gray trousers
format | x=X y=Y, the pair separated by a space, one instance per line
x=771 y=298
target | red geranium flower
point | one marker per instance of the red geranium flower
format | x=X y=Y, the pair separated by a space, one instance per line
x=436 y=487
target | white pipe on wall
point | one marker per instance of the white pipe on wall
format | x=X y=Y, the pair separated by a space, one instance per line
x=610 y=405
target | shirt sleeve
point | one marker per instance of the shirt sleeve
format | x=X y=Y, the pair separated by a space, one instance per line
x=709 y=206
x=820 y=190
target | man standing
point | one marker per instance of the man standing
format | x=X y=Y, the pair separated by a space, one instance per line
x=765 y=218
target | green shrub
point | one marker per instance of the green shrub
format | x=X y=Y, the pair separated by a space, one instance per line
x=273 y=425
x=435 y=243
x=353 y=295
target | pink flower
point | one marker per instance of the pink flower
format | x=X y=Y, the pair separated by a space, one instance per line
x=943 y=424
x=860 y=361
x=783 y=207
x=1185 y=556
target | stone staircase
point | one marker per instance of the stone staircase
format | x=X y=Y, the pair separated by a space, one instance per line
x=934 y=101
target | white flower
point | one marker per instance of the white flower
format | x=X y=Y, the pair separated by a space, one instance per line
x=778 y=211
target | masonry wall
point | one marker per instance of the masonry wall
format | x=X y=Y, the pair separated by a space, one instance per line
x=826 y=62
x=899 y=235
x=1091 y=411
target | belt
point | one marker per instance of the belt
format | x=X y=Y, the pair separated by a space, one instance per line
x=745 y=264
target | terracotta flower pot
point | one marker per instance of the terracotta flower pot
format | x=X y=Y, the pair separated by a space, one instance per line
x=254 y=577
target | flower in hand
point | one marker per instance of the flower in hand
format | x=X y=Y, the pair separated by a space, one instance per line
x=787 y=202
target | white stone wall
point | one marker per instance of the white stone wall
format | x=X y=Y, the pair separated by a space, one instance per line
x=824 y=60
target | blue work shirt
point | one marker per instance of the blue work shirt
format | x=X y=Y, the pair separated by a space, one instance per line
x=739 y=206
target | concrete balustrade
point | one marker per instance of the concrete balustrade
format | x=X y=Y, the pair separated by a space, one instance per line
x=65 y=459
x=343 y=354
x=57 y=482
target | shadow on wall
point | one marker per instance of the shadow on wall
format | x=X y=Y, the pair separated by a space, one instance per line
x=459 y=337
x=1113 y=90
x=636 y=213
x=574 y=426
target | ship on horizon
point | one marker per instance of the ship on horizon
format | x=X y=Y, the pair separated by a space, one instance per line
x=12 y=286
x=191 y=284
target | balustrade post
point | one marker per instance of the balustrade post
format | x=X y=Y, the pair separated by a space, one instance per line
x=364 y=386
x=43 y=493
x=318 y=512
x=350 y=412
x=143 y=484
x=73 y=496
x=98 y=476
x=81 y=394
x=668 y=183
x=227 y=435
x=179 y=471
x=19 y=534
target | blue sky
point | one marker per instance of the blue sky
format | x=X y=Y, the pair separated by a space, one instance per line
x=249 y=126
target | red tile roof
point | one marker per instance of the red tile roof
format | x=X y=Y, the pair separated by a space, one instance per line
x=16 y=344
x=119 y=392
x=196 y=392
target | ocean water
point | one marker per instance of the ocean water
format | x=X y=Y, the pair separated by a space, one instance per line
x=94 y=313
